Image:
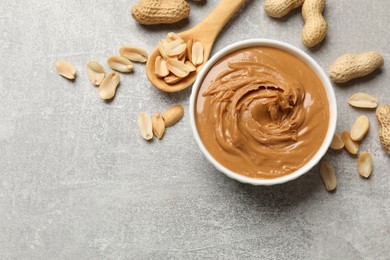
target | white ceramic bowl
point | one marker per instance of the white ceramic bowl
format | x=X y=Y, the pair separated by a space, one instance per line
x=312 y=64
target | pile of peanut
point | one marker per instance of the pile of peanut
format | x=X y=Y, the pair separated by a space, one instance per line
x=109 y=82
x=177 y=58
x=156 y=125
x=350 y=141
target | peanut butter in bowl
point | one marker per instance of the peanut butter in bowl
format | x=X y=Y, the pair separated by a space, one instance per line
x=263 y=113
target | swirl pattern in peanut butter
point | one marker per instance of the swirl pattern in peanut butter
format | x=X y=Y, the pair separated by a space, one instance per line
x=262 y=112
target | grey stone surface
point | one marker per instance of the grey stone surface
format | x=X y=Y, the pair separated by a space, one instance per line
x=78 y=182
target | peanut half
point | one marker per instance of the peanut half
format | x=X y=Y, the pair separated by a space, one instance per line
x=176 y=47
x=182 y=57
x=160 y=67
x=172 y=79
x=328 y=175
x=108 y=86
x=362 y=100
x=178 y=68
x=383 y=116
x=133 y=53
x=145 y=126
x=315 y=28
x=190 y=42
x=161 y=49
x=360 y=128
x=172 y=36
x=95 y=72
x=66 y=69
x=172 y=115
x=364 y=164
x=337 y=143
x=120 y=64
x=350 y=66
x=280 y=8
x=160 y=11
x=190 y=66
x=197 y=53
x=351 y=146
x=158 y=125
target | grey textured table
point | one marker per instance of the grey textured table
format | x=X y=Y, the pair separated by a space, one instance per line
x=77 y=181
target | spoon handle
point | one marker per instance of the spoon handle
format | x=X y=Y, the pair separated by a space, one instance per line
x=217 y=19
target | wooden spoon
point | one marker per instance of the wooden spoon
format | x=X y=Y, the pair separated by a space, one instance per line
x=206 y=32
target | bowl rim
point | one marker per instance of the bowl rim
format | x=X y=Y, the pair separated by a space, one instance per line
x=257 y=42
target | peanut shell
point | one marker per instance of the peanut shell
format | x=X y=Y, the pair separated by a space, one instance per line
x=350 y=66
x=280 y=8
x=383 y=116
x=160 y=11
x=315 y=28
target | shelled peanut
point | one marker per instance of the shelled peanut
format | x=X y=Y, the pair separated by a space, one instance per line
x=350 y=145
x=363 y=100
x=134 y=53
x=65 y=69
x=364 y=164
x=337 y=143
x=360 y=128
x=328 y=176
x=350 y=140
x=123 y=63
x=107 y=84
x=107 y=88
x=177 y=58
x=158 y=123
x=95 y=72
x=120 y=64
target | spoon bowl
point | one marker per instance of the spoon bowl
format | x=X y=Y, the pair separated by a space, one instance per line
x=206 y=32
